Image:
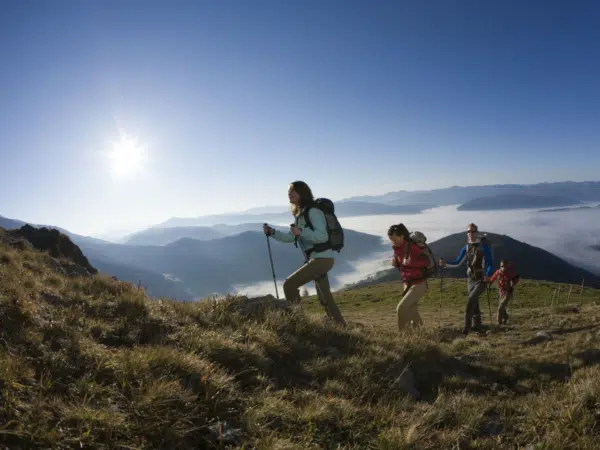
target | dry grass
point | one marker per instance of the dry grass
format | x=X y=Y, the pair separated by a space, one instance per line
x=92 y=363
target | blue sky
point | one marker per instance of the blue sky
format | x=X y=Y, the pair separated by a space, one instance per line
x=233 y=100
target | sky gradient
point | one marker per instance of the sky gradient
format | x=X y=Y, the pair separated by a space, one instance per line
x=233 y=100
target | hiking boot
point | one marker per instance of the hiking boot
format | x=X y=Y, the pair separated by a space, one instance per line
x=464 y=331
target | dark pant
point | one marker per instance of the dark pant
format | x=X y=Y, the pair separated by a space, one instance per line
x=472 y=312
x=315 y=269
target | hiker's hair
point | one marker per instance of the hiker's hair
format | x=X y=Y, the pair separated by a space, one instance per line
x=472 y=225
x=399 y=230
x=505 y=262
x=306 y=196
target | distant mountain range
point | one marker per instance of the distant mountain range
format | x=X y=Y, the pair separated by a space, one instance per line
x=584 y=191
x=191 y=268
x=166 y=235
x=509 y=196
x=531 y=262
x=345 y=208
x=156 y=284
x=516 y=201
x=573 y=208
x=205 y=267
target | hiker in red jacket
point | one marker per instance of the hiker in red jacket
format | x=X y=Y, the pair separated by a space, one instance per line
x=411 y=268
x=507 y=279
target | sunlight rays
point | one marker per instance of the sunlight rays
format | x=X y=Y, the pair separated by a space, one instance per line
x=127 y=156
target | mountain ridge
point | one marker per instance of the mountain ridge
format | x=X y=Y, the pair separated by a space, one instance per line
x=531 y=262
x=516 y=201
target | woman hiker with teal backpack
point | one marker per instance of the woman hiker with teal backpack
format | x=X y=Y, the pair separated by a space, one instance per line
x=312 y=233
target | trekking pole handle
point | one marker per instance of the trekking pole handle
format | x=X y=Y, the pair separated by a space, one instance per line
x=267 y=229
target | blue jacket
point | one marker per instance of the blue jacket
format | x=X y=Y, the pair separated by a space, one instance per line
x=308 y=237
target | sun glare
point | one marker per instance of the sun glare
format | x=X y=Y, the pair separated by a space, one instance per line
x=127 y=156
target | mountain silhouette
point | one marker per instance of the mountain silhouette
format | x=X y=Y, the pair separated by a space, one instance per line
x=516 y=201
x=530 y=262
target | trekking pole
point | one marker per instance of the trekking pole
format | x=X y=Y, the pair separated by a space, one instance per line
x=489 y=296
x=272 y=266
x=441 y=290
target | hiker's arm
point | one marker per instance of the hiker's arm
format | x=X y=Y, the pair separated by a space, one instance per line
x=515 y=280
x=487 y=253
x=493 y=277
x=459 y=260
x=319 y=234
x=283 y=236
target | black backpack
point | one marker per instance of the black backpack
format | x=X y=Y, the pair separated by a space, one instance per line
x=334 y=229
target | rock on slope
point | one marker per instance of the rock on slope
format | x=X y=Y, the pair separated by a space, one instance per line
x=58 y=246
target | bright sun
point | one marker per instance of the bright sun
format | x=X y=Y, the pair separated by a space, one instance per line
x=127 y=156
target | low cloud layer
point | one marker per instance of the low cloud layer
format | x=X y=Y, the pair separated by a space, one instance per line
x=570 y=235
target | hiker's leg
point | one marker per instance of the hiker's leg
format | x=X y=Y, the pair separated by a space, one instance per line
x=421 y=290
x=297 y=279
x=473 y=313
x=469 y=308
x=324 y=293
x=405 y=311
x=502 y=314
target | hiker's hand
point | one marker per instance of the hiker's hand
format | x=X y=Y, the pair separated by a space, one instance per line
x=296 y=231
x=487 y=279
x=394 y=262
x=442 y=263
x=268 y=230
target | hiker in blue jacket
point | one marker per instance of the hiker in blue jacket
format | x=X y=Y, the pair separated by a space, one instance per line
x=478 y=255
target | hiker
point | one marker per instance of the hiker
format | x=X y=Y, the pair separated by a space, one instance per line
x=478 y=255
x=411 y=261
x=315 y=242
x=507 y=279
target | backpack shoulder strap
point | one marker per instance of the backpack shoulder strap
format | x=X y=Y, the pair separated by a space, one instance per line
x=407 y=245
x=307 y=218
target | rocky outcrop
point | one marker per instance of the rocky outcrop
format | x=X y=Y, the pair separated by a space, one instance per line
x=66 y=256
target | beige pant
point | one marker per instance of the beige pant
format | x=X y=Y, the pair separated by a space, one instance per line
x=408 y=308
x=314 y=270
x=505 y=298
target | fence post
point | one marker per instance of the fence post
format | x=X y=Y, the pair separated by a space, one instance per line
x=581 y=296
x=569 y=295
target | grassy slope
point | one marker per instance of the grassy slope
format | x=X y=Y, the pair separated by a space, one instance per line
x=93 y=364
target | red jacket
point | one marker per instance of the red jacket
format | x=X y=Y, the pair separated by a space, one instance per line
x=412 y=271
x=504 y=278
